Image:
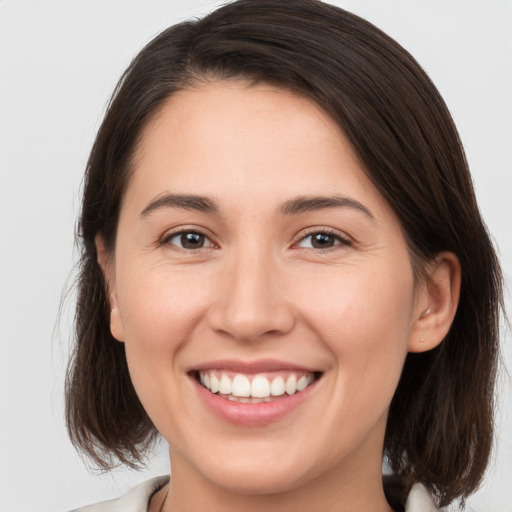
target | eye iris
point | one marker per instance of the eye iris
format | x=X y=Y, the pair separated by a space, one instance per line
x=322 y=240
x=192 y=240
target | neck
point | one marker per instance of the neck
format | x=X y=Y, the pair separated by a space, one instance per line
x=344 y=488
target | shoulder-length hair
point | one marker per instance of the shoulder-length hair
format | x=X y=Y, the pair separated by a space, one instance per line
x=440 y=421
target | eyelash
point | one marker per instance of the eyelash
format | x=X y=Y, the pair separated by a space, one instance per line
x=338 y=239
x=166 y=240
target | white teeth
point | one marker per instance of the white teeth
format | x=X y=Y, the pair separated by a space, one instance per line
x=261 y=389
x=277 y=386
x=291 y=384
x=248 y=399
x=225 y=385
x=241 y=386
x=214 y=383
x=303 y=383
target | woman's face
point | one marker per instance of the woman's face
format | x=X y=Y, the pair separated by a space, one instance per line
x=253 y=254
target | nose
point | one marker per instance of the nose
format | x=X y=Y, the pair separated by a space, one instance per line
x=252 y=303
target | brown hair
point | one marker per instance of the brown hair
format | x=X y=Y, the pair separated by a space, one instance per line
x=440 y=422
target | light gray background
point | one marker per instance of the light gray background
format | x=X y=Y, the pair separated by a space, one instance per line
x=59 y=61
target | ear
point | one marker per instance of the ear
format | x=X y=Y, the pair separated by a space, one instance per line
x=436 y=304
x=106 y=263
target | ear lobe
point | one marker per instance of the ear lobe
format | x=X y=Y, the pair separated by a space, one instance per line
x=116 y=322
x=437 y=303
x=106 y=264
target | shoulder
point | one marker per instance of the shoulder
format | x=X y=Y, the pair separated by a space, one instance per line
x=135 y=500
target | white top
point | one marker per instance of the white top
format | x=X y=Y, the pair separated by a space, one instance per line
x=137 y=499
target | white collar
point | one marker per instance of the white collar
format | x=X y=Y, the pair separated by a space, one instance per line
x=420 y=500
x=136 y=500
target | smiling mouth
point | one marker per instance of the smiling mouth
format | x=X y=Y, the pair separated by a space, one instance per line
x=255 y=388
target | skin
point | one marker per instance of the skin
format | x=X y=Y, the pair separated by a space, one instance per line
x=258 y=289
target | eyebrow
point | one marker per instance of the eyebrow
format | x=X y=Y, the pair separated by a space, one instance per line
x=183 y=201
x=303 y=204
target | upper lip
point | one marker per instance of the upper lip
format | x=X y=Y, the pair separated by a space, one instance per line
x=249 y=367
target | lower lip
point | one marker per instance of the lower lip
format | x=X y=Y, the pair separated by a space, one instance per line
x=252 y=415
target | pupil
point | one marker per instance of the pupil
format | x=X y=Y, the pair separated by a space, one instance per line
x=192 y=240
x=322 y=240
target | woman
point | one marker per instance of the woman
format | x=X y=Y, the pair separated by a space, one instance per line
x=284 y=273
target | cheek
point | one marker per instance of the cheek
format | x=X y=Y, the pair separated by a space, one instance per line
x=364 y=318
x=159 y=305
x=356 y=301
x=159 y=313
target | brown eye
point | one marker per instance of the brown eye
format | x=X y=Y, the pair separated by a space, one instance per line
x=322 y=240
x=189 y=240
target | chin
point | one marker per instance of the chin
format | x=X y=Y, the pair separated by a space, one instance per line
x=258 y=483
x=261 y=478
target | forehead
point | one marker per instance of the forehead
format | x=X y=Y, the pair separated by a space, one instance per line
x=231 y=138
x=228 y=113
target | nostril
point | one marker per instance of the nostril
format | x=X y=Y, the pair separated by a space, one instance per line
x=252 y=315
